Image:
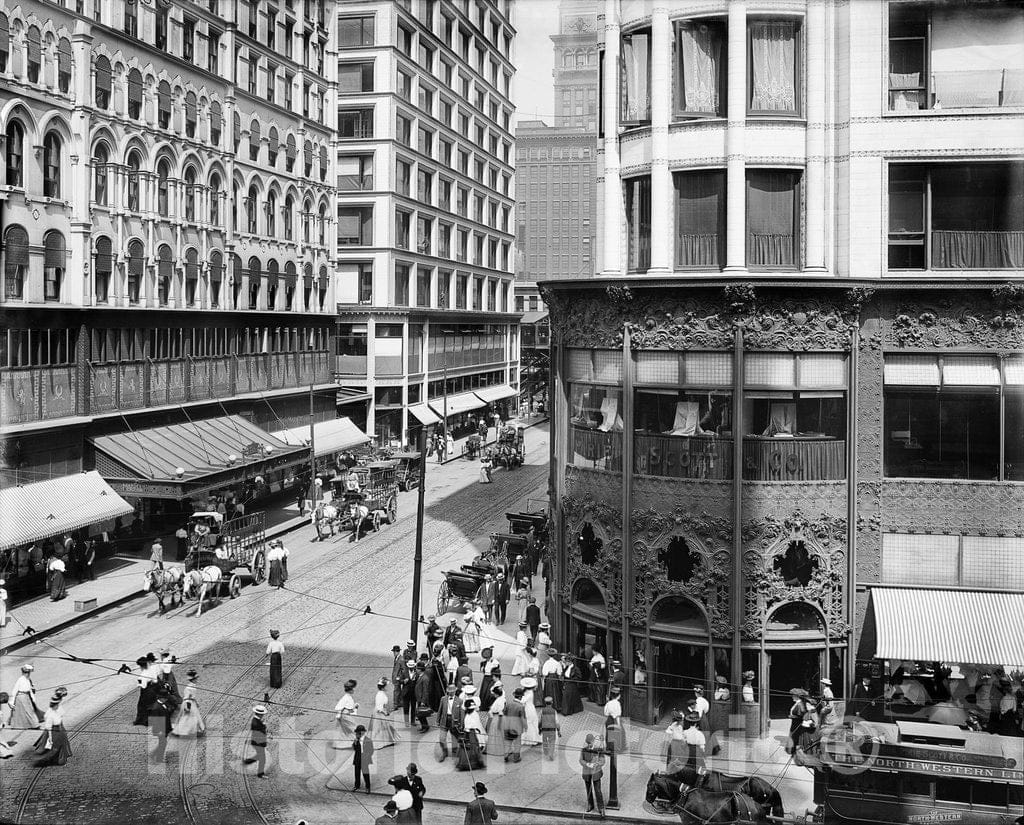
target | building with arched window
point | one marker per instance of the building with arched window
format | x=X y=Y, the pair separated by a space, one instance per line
x=788 y=410
x=125 y=291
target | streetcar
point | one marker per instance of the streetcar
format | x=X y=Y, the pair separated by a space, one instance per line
x=914 y=772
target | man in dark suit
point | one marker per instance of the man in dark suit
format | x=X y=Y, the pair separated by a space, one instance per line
x=533 y=618
x=592 y=768
x=502 y=595
x=362 y=758
x=486 y=594
x=449 y=719
x=865 y=697
x=258 y=740
x=616 y=680
x=399 y=676
x=416 y=788
x=421 y=695
x=481 y=811
x=515 y=724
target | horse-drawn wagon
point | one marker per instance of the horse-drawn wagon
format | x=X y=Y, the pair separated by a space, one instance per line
x=510 y=449
x=222 y=552
x=375 y=500
x=407 y=469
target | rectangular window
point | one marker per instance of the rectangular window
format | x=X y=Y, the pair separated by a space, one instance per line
x=700 y=219
x=354 y=32
x=160 y=39
x=355 y=225
x=403 y=177
x=405 y=87
x=774 y=60
x=461 y=287
x=956 y=216
x=638 y=223
x=354 y=78
x=424 y=231
x=423 y=287
x=636 y=77
x=425 y=99
x=355 y=123
x=425 y=141
x=402 y=221
x=444 y=278
x=403 y=130
x=355 y=173
x=364 y=284
x=424 y=186
x=701 y=70
x=212 y=50
x=773 y=216
x=188 y=39
x=401 y=285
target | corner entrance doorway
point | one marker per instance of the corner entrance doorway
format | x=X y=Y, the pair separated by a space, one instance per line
x=679 y=653
x=788 y=669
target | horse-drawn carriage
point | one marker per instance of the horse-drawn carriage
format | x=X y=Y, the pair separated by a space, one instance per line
x=375 y=500
x=407 y=469
x=460 y=587
x=222 y=552
x=530 y=522
x=510 y=449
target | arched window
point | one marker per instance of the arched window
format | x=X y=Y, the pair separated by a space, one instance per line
x=288 y=218
x=289 y=284
x=289 y=153
x=35 y=53
x=272 y=147
x=100 y=175
x=272 y=273
x=191 y=114
x=307 y=216
x=567 y=60
x=589 y=544
x=15 y=154
x=15 y=261
x=215 y=122
x=236 y=280
x=163 y=104
x=307 y=157
x=322 y=287
x=323 y=163
x=254 y=141
x=136 y=265
x=237 y=208
x=102 y=87
x=64 y=65
x=271 y=214
x=254 y=282
x=191 y=276
x=51 y=165
x=103 y=266
x=250 y=210
x=163 y=171
x=190 y=193
x=54 y=259
x=322 y=225
x=131 y=181
x=796 y=566
x=679 y=560
x=215 y=199
x=135 y=94
x=216 y=277
x=581 y=59
x=307 y=287
x=236 y=131
x=164 y=274
x=5 y=41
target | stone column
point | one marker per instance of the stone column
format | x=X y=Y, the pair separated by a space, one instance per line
x=613 y=211
x=661 y=114
x=736 y=183
x=815 y=35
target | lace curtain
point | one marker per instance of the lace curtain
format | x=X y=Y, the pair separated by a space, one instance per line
x=636 y=98
x=701 y=48
x=771 y=210
x=773 y=62
x=700 y=211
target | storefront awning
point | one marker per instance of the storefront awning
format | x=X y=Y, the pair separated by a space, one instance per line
x=210 y=453
x=964 y=626
x=329 y=436
x=423 y=414
x=497 y=393
x=534 y=317
x=49 y=508
x=460 y=403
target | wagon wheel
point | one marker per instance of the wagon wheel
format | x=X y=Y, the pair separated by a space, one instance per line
x=234 y=586
x=391 y=515
x=259 y=567
x=444 y=595
x=375 y=520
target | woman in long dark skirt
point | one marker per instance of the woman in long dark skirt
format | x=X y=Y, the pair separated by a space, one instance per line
x=470 y=735
x=147 y=690
x=52 y=746
x=56 y=571
x=571 y=701
x=275 y=652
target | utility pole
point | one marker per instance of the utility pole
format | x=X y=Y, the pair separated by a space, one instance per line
x=445 y=422
x=417 y=561
x=312 y=452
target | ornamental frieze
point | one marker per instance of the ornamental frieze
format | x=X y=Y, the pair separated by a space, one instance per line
x=593 y=548
x=798 y=325
x=979 y=508
x=996 y=323
x=767 y=546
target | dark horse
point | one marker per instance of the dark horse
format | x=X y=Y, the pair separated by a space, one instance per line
x=699 y=806
x=665 y=789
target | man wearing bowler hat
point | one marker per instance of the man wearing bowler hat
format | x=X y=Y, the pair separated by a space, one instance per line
x=481 y=811
x=362 y=757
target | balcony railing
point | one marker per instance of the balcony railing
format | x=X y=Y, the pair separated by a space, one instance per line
x=594 y=449
x=698 y=457
x=794 y=459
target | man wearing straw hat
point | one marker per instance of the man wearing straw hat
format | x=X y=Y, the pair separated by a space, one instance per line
x=258 y=740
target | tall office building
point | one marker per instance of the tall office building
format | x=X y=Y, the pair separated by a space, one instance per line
x=168 y=239
x=788 y=415
x=424 y=211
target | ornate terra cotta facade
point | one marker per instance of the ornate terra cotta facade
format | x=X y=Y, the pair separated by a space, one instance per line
x=738 y=535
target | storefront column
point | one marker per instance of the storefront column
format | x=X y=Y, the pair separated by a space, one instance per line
x=850 y=585
x=558 y=403
x=627 y=499
x=735 y=174
x=612 y=179
x=661 y=112
x=815 y=136
x=738 y=602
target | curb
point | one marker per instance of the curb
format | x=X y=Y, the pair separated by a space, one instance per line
x=24 y=641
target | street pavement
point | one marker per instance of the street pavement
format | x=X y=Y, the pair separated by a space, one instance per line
x=329 y=637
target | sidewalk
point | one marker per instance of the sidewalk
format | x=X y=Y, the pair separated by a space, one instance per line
x=118 y=580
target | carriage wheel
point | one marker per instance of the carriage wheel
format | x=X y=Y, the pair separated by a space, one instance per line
x=375 y=520
x=259 y=568
x=391 y=515
x=444 y=595
x=234 y=586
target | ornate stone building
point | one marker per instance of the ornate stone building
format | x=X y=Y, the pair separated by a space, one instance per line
x=791 y=406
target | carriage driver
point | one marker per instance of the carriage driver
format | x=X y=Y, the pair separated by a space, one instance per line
x=352 y=491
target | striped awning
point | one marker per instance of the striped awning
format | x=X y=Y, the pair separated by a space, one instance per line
x=44 y=509
x=497 y=393
x=423 y=414
x=962 y=626
x=460 y=403
x=329 y=436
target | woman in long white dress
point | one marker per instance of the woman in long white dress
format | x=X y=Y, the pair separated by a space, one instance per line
x=382 y=731
x=189 y=721
x=496 y=743
x=531 y=736
x=25 y=711
x=474 y=622
x=345 y=717
x=521 y=661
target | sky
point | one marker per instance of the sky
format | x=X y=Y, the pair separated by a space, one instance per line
x=535 y=22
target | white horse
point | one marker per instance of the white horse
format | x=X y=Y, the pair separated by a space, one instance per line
x=162 y=582
x=327 y=519
x=358 y=513
x=205 y=580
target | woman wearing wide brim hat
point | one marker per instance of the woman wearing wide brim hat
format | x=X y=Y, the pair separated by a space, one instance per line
x=345 y=716
x=382 y=731
x=25 y=711
x=52 y=746
x=189 y=721
x=275 y=658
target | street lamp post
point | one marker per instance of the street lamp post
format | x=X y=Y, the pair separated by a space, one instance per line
x=417 y=562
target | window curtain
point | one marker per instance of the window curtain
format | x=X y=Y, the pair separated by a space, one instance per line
x=638 y=211
x=701 y=48
x=771 y=210
x=700 y=210
x=773 y=63
x=636 y=101
x=977 y=250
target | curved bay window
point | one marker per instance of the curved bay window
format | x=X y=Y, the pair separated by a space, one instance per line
x=794 y=414
x=595 y=408
x=682 y=414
